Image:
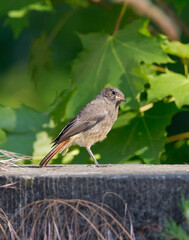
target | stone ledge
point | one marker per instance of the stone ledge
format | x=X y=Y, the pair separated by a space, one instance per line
x=152 y=192
x=81 y=170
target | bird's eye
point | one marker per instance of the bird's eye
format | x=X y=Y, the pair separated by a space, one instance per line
x=113 y=92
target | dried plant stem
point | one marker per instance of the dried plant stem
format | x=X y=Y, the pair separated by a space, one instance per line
x=72 y=219
x=8 y=158
x=160 y=69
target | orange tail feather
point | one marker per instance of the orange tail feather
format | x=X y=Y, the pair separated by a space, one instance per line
x=51 y=154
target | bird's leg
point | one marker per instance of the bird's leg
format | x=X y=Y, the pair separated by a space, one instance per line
x=93 y=157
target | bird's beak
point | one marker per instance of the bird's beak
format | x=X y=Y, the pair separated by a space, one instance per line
x=122 y=99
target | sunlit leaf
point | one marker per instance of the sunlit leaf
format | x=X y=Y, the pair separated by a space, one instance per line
x=169 y=84
x=17 y=13
x=19 y=7
x=176 y=48
x=112 y=60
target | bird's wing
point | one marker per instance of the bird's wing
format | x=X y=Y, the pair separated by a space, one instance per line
x=80 y=123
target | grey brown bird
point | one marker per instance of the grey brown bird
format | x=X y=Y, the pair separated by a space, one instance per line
x=90 y=125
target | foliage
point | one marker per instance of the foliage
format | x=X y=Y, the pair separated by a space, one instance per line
x=174 y=230
x=18 y=13
x=74 y=50
x=19 y=128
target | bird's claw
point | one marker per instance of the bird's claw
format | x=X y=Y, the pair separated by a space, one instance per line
x=99 y=165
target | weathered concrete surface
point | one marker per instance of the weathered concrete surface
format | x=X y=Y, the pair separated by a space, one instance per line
x=152 y=192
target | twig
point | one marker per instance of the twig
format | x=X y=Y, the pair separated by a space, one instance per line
x=147 y=8
x=160 y=69
x=172 y=14
x=146 y=107
x=178 y=137
x=123 y=9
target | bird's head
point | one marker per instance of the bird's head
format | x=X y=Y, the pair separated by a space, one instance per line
x=113 y=95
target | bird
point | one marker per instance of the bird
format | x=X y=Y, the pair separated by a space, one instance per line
x=90 y=125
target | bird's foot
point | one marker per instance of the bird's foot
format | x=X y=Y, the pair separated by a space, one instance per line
x=99 y=165
x=104 y=165
x=91 y=165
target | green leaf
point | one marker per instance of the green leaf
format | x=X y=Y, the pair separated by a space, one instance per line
x=17 y=24
x=7 y=118
x=17 y=8
x=174 y=231
x=176 y=48
x=29 y=120
x=112 y=60
x=144 y=136
x=176 y=150
x=17 y=13
x=40 y=57
x=124 y=119
x=179 y=4
x=58 y=109
x=76 y=3
x=21 y=126
x=169 y=84
x=20 y=13
x=2 y=136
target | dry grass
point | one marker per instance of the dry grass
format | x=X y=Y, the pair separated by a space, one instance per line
x=10 y=158
x=72 y=219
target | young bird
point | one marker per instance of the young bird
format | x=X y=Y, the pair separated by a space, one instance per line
x=90 y=125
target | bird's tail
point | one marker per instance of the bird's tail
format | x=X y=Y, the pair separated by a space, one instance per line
x=53 y=152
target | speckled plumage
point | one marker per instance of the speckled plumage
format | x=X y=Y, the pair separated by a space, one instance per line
x=90 y=125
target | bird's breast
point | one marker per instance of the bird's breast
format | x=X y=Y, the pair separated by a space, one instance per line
x=97 y=133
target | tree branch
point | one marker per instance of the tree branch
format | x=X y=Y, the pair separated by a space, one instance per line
x=147 y=8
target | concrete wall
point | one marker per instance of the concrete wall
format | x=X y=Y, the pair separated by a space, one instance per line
x=151 y=192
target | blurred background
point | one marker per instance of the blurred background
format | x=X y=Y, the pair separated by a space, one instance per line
x=55 y=56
